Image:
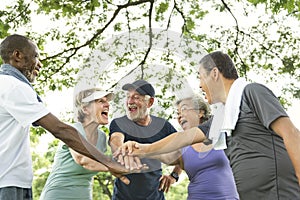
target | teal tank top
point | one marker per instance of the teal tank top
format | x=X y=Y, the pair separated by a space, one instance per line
x=68 y=180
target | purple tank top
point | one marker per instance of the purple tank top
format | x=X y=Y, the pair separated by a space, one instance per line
x=210 y=175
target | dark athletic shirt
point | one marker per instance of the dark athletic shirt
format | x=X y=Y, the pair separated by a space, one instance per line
x=260 y=163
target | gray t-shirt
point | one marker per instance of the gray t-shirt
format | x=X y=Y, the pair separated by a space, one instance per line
x=260 y=163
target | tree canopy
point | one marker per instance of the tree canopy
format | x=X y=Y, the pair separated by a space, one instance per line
x=261 y=36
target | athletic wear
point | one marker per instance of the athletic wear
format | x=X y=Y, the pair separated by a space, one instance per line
x=258 y=157
x=68 y=180
x=210 y=175
x=143 y=186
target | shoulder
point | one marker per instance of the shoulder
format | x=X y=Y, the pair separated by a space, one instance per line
x=101 y=133
x=10 y=81
x=119 y=121
x=255 y=88
x=123 y=118
x=258 y=92
x=159 y=120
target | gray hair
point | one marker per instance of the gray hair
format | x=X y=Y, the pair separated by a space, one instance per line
x=198 y=104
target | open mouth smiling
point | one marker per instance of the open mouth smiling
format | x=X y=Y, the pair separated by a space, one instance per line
x=104 y=114
x=132 y=108
x=183 y=122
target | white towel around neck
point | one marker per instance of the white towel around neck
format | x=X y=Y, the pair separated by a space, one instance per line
x=226 y=116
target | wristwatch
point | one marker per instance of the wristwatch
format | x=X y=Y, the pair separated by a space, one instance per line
x=175 y=176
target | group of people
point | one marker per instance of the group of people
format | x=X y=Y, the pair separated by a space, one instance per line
x=260 y=161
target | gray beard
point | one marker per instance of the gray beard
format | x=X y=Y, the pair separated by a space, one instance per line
x=140 y=115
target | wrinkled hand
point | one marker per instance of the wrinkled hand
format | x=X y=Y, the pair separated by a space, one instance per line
x=165 y=182
x=119 y=171
x=130 y=162
x=132 y=148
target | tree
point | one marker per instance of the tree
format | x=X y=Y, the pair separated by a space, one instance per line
x=158 y=40
x=79 y=26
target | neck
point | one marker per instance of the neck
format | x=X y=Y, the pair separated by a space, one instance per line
x=90 y=129
x=227 y=83
x=144 y=122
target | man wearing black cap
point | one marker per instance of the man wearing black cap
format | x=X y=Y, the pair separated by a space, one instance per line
x=138 y=125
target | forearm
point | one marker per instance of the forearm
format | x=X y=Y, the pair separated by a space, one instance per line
x=292 y=143
x=175 y=141
x=171 y=158
x=178 y=169
x=93 y=165
x=87 y=163
x=116 y=140
x=73 y=139
x=291 y=138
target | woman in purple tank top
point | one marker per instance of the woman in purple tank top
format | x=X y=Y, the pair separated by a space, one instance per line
x=208 y=170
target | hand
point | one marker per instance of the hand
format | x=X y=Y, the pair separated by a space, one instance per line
x=132 y=148
x=119 y=171
x=166 y=182
x=130 y=162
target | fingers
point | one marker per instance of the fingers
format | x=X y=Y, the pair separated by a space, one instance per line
x=124 y=179
x=165 y=183
x=128 y=147
x=121 y=159
x=138 y=162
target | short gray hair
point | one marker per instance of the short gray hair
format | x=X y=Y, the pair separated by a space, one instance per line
x=198 y=104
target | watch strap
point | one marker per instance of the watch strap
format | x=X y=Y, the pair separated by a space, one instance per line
x=175 y=176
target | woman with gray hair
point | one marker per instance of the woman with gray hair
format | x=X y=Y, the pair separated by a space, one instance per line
x=71 y=175
x=208 y=170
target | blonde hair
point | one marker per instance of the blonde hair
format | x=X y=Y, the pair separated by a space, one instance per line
x=79 y=105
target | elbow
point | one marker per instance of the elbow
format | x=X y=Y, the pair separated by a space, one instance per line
x=79 y=159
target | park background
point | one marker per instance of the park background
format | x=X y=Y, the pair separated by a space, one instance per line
x=262 y=37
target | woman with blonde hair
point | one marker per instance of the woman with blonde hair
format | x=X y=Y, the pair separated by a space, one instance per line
x=72 y=173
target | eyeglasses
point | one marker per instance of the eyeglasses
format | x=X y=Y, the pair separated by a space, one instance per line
x=183 y=110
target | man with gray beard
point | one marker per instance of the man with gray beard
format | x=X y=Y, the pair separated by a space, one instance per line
x=138 y=125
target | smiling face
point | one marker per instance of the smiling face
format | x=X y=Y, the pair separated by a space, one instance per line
x=137 y=106
x=29 y=63
x=97 y=111
x=21 y=53
x=188 y=116
x=206 y=83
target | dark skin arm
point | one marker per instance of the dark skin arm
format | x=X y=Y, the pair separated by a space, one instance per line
x=74 y=140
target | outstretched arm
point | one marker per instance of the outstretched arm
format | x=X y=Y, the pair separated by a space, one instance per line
x=74 y=140
x=168 y=144
x=87 y=162
x=116 y=140
x=291 y=138
x=172 y=158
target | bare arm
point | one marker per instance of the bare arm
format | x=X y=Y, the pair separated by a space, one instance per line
x=74 y=140
x=88 y=163
x=116 y=140
x=172 y=158
x=291 y=137
x=168 y=144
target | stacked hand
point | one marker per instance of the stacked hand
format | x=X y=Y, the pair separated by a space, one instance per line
x=119 y=170
x=129 y=155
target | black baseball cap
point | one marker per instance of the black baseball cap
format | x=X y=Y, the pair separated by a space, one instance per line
x=141 y=86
